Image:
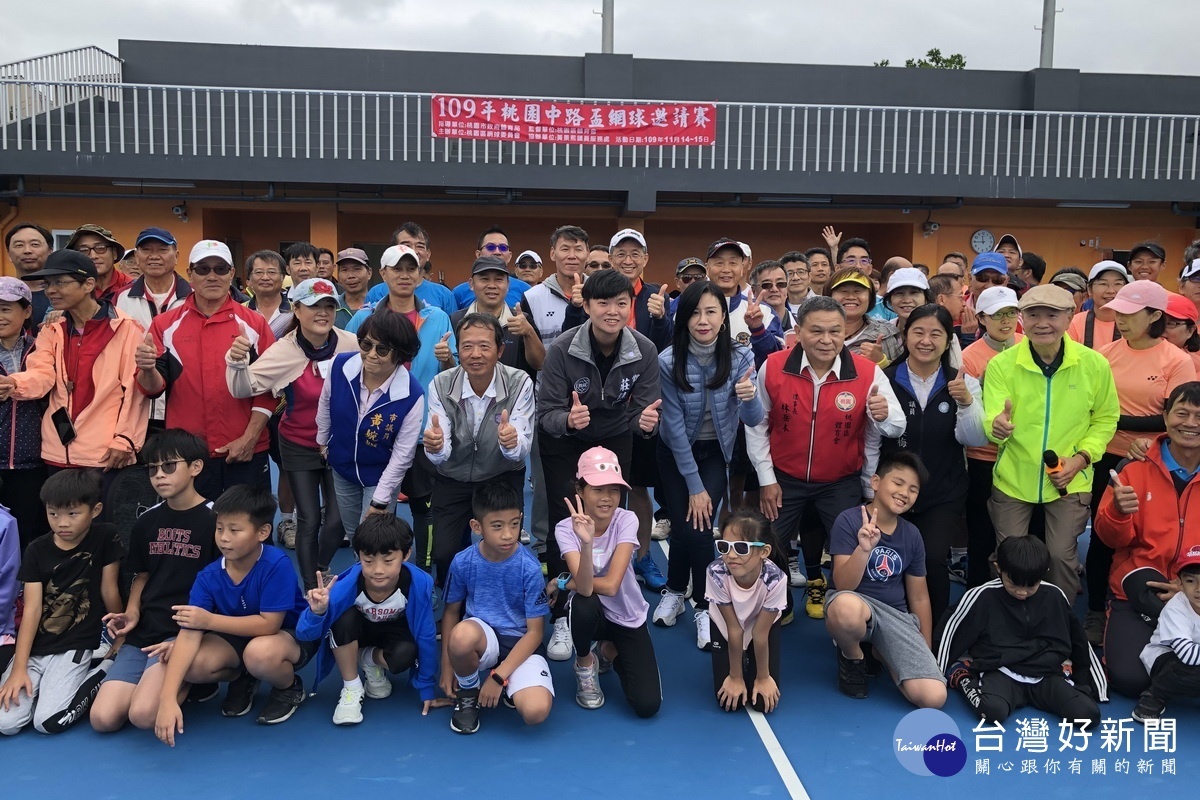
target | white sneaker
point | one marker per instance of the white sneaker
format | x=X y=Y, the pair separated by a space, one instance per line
x=703 y=635
x=669 y=608
x=377 y=682
x=560 y=648
x=526 y=539
x=661 y=530
x=796 y=575
x=349 y=707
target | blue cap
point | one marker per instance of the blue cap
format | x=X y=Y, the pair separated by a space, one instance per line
x=154 y=234
x=986 y=261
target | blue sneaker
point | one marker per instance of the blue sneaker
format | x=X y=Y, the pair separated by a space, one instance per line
x=647 y=573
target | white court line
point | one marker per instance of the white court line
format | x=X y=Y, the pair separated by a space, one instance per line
x=787 y=773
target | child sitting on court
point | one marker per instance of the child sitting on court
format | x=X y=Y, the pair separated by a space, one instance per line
x=494 y=617
x=70 y=579
x=168 y=546
x=376 y=617
x=749 y=592
x=598 y=542
x=1017 y=631
x=880 y=593
x=239 y=620
x=1173 y=655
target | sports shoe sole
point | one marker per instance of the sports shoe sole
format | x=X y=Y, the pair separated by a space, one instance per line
x=590 y=707
x=264 y=721
x=351 y=721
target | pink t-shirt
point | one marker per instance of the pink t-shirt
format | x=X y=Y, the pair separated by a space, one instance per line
x=627 y=607
x=768 y=594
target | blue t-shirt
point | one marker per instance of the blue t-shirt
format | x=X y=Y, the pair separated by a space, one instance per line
x=269 y=586
x=431 y=294
x=897 y=554
x=503 y=594
x=516 y=289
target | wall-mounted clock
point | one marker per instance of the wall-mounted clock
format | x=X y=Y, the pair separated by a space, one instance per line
x=982 y=241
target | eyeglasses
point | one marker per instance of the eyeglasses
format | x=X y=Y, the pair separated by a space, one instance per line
x=855 y=261
x=634 y=256
x=166 y=467
x=204 y=269
x=768 y=286
x=381 y=350
x=797 y=273
x=1193 y=278
x=994 y=278
x=739 y=547
x=260 y=274
x=1175 y=324
x=686 y=279
x=492 y=247
x=63 y=283
x=1004 y=315
x=99 y=249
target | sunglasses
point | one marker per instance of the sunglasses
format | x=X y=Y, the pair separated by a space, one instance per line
x=492 y=247
x=690 y=278
x=381 y=350
x=166 y=467
x=768 y=286
x=204 y=269
x=995 y=278
x=739 y=547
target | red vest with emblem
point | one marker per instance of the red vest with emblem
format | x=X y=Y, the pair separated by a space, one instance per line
x=818 y=435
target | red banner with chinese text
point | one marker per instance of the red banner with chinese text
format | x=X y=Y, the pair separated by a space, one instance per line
x=553 y=122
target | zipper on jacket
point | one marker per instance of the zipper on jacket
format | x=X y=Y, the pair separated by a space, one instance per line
x=1045 y=437
x=812 y=430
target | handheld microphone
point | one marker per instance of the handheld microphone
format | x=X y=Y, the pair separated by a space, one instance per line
x=1054 y=465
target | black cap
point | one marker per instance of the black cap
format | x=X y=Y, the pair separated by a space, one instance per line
x=488 y=264
x=1154 y=248
x=689 y=263
x=722 y=243
x=64 y=262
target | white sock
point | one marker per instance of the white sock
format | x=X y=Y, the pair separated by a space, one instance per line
x=354 y=684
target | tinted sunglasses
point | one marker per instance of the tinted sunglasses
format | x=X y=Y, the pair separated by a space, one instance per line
x=492 y=247
x=691 y=278
x=768 y=286
x=739 y=547
x=994 y=278
x=166 y=467
x=204 y=269
x=381 y=350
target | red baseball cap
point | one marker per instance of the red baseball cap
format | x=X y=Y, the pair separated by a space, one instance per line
x=1180 y=307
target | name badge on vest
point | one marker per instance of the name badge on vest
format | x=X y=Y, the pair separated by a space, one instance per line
x=323 y=368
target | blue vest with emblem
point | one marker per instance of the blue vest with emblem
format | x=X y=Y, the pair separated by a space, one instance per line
x=359 y=451
x=930 y=434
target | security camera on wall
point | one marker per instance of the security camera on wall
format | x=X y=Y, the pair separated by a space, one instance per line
x=180 y=211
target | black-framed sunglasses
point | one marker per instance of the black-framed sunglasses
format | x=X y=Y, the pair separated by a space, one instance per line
x=768 y=285
x=381 y=350
x=685 y=279
x=166 y=467
x=492 y=247
x=738 y=547
x=204 y=269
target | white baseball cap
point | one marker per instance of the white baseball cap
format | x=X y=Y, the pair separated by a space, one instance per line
x=206 y=248
x=627 y=233
x=907 y=276
x=995 y=298
x=530 y=254
x=391 y=257
x=1108 y=266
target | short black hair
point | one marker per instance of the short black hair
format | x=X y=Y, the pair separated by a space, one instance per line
x=488 y=232
x=255 y=502
x=1157 y=328
x=792 y=256
x=394 y=330
x=495 y=496
x=270 y=256
x=174 y=443
x=412 y=229
x=603 y=248
x=480 y=320
x=301 y=250
x=20 y=226
x=1183 y=393
x=765 y=266
x=816 y=251
x=855 y=241
x=382 y=533
x=607 y=284
x=325 y=251
x=1189 y=570
x=1024 y=559
x=941 y=284
x=902 y=459
x=71 y=487
x=1035 y=264
x=953 y=254
x=572 y=233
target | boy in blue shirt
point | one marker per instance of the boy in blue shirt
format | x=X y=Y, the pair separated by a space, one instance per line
x=239 y=621
x=494 y=617
x=168 y=546
x=376 y=617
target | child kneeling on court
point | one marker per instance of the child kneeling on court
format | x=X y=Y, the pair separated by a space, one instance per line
x=880 y=593
x=749 y=592
x=168 y=546
x=606 y=604
x=376 y=617
x=494 y=618
x=239 y=621
x=1017 y=632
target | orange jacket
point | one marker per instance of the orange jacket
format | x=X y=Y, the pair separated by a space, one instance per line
x=1166 y=523
x=118 y=413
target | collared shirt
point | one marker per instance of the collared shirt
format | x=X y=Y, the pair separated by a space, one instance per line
x=1048 y=369
x=477 y=406
x=1179 y=473
x=11 y=359
x=280 y=320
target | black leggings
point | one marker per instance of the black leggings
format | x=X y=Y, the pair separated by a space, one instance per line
x=692 y=549
x=1126 y=634
x=1099 y=555
x=995 y=695
x=315 y=550
x=451 y=510
x=720 y=661
x=635 y=663
x=981 y=534
x=393 y=639
x=938 y=526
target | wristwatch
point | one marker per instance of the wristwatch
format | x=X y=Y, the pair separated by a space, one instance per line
x=378 y=506
x=563 y=580
x=496 y=677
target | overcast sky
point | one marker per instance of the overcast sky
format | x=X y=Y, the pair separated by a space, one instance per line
x=1150 y=36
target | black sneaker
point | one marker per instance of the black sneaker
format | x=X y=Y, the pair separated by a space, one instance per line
x=852 y=677
x=203 y=692
x=240 y=697
x=466 y=711
x=282 y=703
x=1148 y=707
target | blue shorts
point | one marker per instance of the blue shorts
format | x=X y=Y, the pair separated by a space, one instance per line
x=129 y=664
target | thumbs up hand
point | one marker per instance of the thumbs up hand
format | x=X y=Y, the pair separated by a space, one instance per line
x=441 y=350
x=434 y=439
x=958 y=390
x=1124 y=497
x=579 y=416
x=877 y=404
x=873 y=350
x=506 y=432
x=1002 y=425
x=657 y=303
x=240 y=349
x=648 y=421
x=146 y=354
x=745 y=388
x=754 y=312
x=577 y=290
x=517 y=324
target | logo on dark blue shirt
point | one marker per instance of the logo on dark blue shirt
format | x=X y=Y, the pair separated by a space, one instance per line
x=884 y=563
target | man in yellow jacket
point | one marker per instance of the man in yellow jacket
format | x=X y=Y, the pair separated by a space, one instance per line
x=1051 y=406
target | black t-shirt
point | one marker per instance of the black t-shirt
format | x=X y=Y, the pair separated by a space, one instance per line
x=604 y=363
x=72 y=605
x=172 y=546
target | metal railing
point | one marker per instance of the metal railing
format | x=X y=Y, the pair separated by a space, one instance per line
x=58 y=79
x=291 y=124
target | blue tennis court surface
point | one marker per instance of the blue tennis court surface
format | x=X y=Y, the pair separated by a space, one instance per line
x=825 y=746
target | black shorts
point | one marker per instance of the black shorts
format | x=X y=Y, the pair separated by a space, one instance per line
x=643 y=464
x=352 y=626
x=238 y=643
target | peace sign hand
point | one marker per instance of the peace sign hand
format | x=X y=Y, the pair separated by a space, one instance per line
x=754 y=312
x=582 y=524
x=318 y=598
x=869 y=534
